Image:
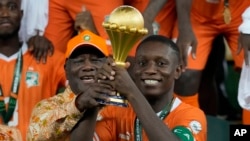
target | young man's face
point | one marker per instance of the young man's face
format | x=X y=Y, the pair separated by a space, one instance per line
x=81 y=70
x=10 y=17
x=156 y=68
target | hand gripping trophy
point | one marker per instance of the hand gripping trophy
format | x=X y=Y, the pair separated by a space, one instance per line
x=125 y=27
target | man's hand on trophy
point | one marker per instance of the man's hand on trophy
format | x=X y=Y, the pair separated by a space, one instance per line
x=116 y=76
x=85 y=21
x=88 y=98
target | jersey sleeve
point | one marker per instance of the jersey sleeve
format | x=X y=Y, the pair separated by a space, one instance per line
x=190 y=124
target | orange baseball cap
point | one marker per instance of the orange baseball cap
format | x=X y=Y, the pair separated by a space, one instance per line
x=87 y=38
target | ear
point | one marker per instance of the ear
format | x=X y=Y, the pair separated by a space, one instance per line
x=21 y=14
x=178 y=71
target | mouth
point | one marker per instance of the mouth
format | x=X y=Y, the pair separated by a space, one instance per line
x=151 y=82
x=5 y=23
x=88 y=79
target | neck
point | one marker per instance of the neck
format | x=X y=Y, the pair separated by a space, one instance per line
x=160 y=102
x=9 y=46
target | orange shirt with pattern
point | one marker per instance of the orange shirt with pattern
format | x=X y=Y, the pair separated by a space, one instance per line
x=38 y=81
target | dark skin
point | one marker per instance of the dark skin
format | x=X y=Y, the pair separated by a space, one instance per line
x=11 y=14
x=81 y=72
x=41 y=48
x=186 y=35
x=148 y=94
x=84 y=21
x=10 y=17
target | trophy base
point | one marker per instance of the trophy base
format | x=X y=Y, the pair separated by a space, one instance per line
x=116 y=100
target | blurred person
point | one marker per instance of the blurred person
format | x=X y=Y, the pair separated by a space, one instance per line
x=207 y=19
x=33 y=23
x=23 y=82
x=244 y=43
x=62 y=16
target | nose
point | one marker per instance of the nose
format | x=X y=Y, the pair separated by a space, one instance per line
x=88 y=66
x=4 y=12
x=151 y=68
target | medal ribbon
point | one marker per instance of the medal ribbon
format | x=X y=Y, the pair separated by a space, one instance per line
x=7 y=115
x=227 y=13
x=163 y=114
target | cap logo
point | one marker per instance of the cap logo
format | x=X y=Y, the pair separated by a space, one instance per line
x=86 y=37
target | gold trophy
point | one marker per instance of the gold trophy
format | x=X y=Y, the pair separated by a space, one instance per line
x=125 y=27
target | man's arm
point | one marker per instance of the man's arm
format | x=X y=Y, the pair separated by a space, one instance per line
x=85 y=128
x=151 y=11
x=54 y=118
x=186 y=37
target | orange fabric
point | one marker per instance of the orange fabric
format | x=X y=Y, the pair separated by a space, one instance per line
x=165 y=18
x=62 y=16
x=207 y=21
x=87 y=38
x=192 y=100
x=38 y=81
x=119 y=122
x=245 y=117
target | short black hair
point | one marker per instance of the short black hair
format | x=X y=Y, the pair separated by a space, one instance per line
x=163 y=39
x=86 y=49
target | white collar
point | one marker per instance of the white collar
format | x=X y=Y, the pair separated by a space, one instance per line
x=24 y=49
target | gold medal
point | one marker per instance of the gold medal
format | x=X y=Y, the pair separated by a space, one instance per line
x=227 y=15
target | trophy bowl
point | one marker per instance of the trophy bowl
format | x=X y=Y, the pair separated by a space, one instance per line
x=125 y=27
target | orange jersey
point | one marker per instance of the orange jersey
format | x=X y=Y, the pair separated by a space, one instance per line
x=164 y=21
x=62 y=17
x=165 y=18
x=208 y=22
x=212 y=10
x=117 y=124
x=38 y=81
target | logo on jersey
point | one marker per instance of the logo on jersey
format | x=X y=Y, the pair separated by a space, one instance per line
x=32 y=78
x=195 y=126
x=125 y=136
x=213 y=1
x=86 y=37
x=99 y=117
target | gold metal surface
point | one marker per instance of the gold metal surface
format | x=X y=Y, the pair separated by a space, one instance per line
x=125 y=27
x=227 y=15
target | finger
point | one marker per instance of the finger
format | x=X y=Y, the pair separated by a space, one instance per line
x=31 y=47
x=83 y=8
x=194 y=47
x=44 y=57
x=184 y=58
x=36 y=51
x=93 y=103
x=107 y=84
x=239 y=46
x=51 y=49
x=246 y=56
